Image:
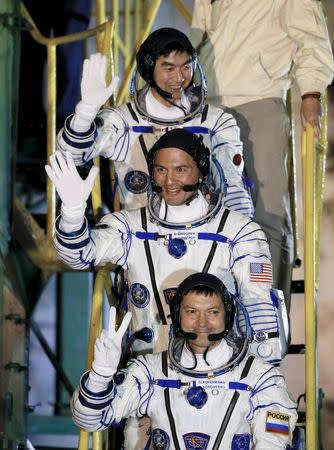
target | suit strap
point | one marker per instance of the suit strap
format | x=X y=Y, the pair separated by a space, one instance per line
x=214 y=244
x=231 y=406
x=131 y=111
x=151 y=269
x=164 y=363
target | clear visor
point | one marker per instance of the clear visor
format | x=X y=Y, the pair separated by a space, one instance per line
x=213 y=188
x=195 y=97
x=238 y=339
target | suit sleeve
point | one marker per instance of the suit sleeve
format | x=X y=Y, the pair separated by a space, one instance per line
x=305 y=23
x=250 y=263
x=227 y=149
x=108 y=136
x=97 y=410
x=272 y=414
x=109 y=242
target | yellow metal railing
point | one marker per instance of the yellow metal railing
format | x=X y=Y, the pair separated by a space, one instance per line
x=308 y=165
x=183 y=10
x=151 y=15
x=313 y=173
x=104 y=47
x=102 y=280
x=321 y=149
x=51 y=45
x=143 y=14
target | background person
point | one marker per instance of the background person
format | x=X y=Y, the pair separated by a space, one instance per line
x=251 y=53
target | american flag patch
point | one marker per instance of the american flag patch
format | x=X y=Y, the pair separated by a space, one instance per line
x=261 y=272
x=277 y=422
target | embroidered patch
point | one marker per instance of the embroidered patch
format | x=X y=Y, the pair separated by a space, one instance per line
x=260 y=272
x=241 y=442
x=136 y=181
x=198 y=441
x=160 y=439
x=169 y=294
x=277 y=422
x=139 y=295
x=177 y=248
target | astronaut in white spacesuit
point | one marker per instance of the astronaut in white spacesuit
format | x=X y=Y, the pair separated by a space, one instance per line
x=168 y=90
x=206 y=392
x=184 y=229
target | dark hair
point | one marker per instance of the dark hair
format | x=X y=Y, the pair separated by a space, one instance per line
x=202 y=290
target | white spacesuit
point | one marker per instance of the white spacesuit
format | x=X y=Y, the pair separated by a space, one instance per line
x=160 y=244
x=126 y=133
x=227 y=400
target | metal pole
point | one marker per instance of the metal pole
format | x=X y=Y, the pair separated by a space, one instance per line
x=310 y=306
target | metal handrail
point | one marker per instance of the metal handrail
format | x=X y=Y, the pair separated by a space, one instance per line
x=51 y=45
x=95 y=326
x=309 y=178
x=321 y=150
x=183 y=10
x=313 y=174
x=151 y=15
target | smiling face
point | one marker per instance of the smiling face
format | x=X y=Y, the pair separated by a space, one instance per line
x=172 y=73
x=202 y=314
x=173 y=168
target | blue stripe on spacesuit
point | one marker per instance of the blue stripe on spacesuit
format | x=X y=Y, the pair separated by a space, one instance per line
x=262 y=255
x=238 y=386
x=261 y=386
x=91 y=394
x=126 y=239
x=142 y=129
x=202 y=236
x=124 y=142
x=78 y=134
x=91 y=262
x=73 y=246
x=86 y=156
x=220 y=144
x=175 y=384
x=147 y=235
x=91 y=405
x=79 y=145
x=213 y=237
x=229 y=204
x=198 y=129
x=269 y=404
x=73 y=234
x=244 y=226
x=146 y=396
x=216 y=128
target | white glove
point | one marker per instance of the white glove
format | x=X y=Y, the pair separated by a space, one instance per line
x=72 y=189
x=93 y=83
x=94 y=92
x=108 y=346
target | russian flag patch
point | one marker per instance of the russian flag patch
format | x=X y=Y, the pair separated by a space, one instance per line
x=260 y=272
x=277 y=422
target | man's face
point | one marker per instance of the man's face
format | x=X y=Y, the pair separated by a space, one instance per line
x=202 y=315
x=173 y=168
x=172 y=73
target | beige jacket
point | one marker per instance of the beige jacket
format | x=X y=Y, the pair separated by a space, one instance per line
x=254 y=49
